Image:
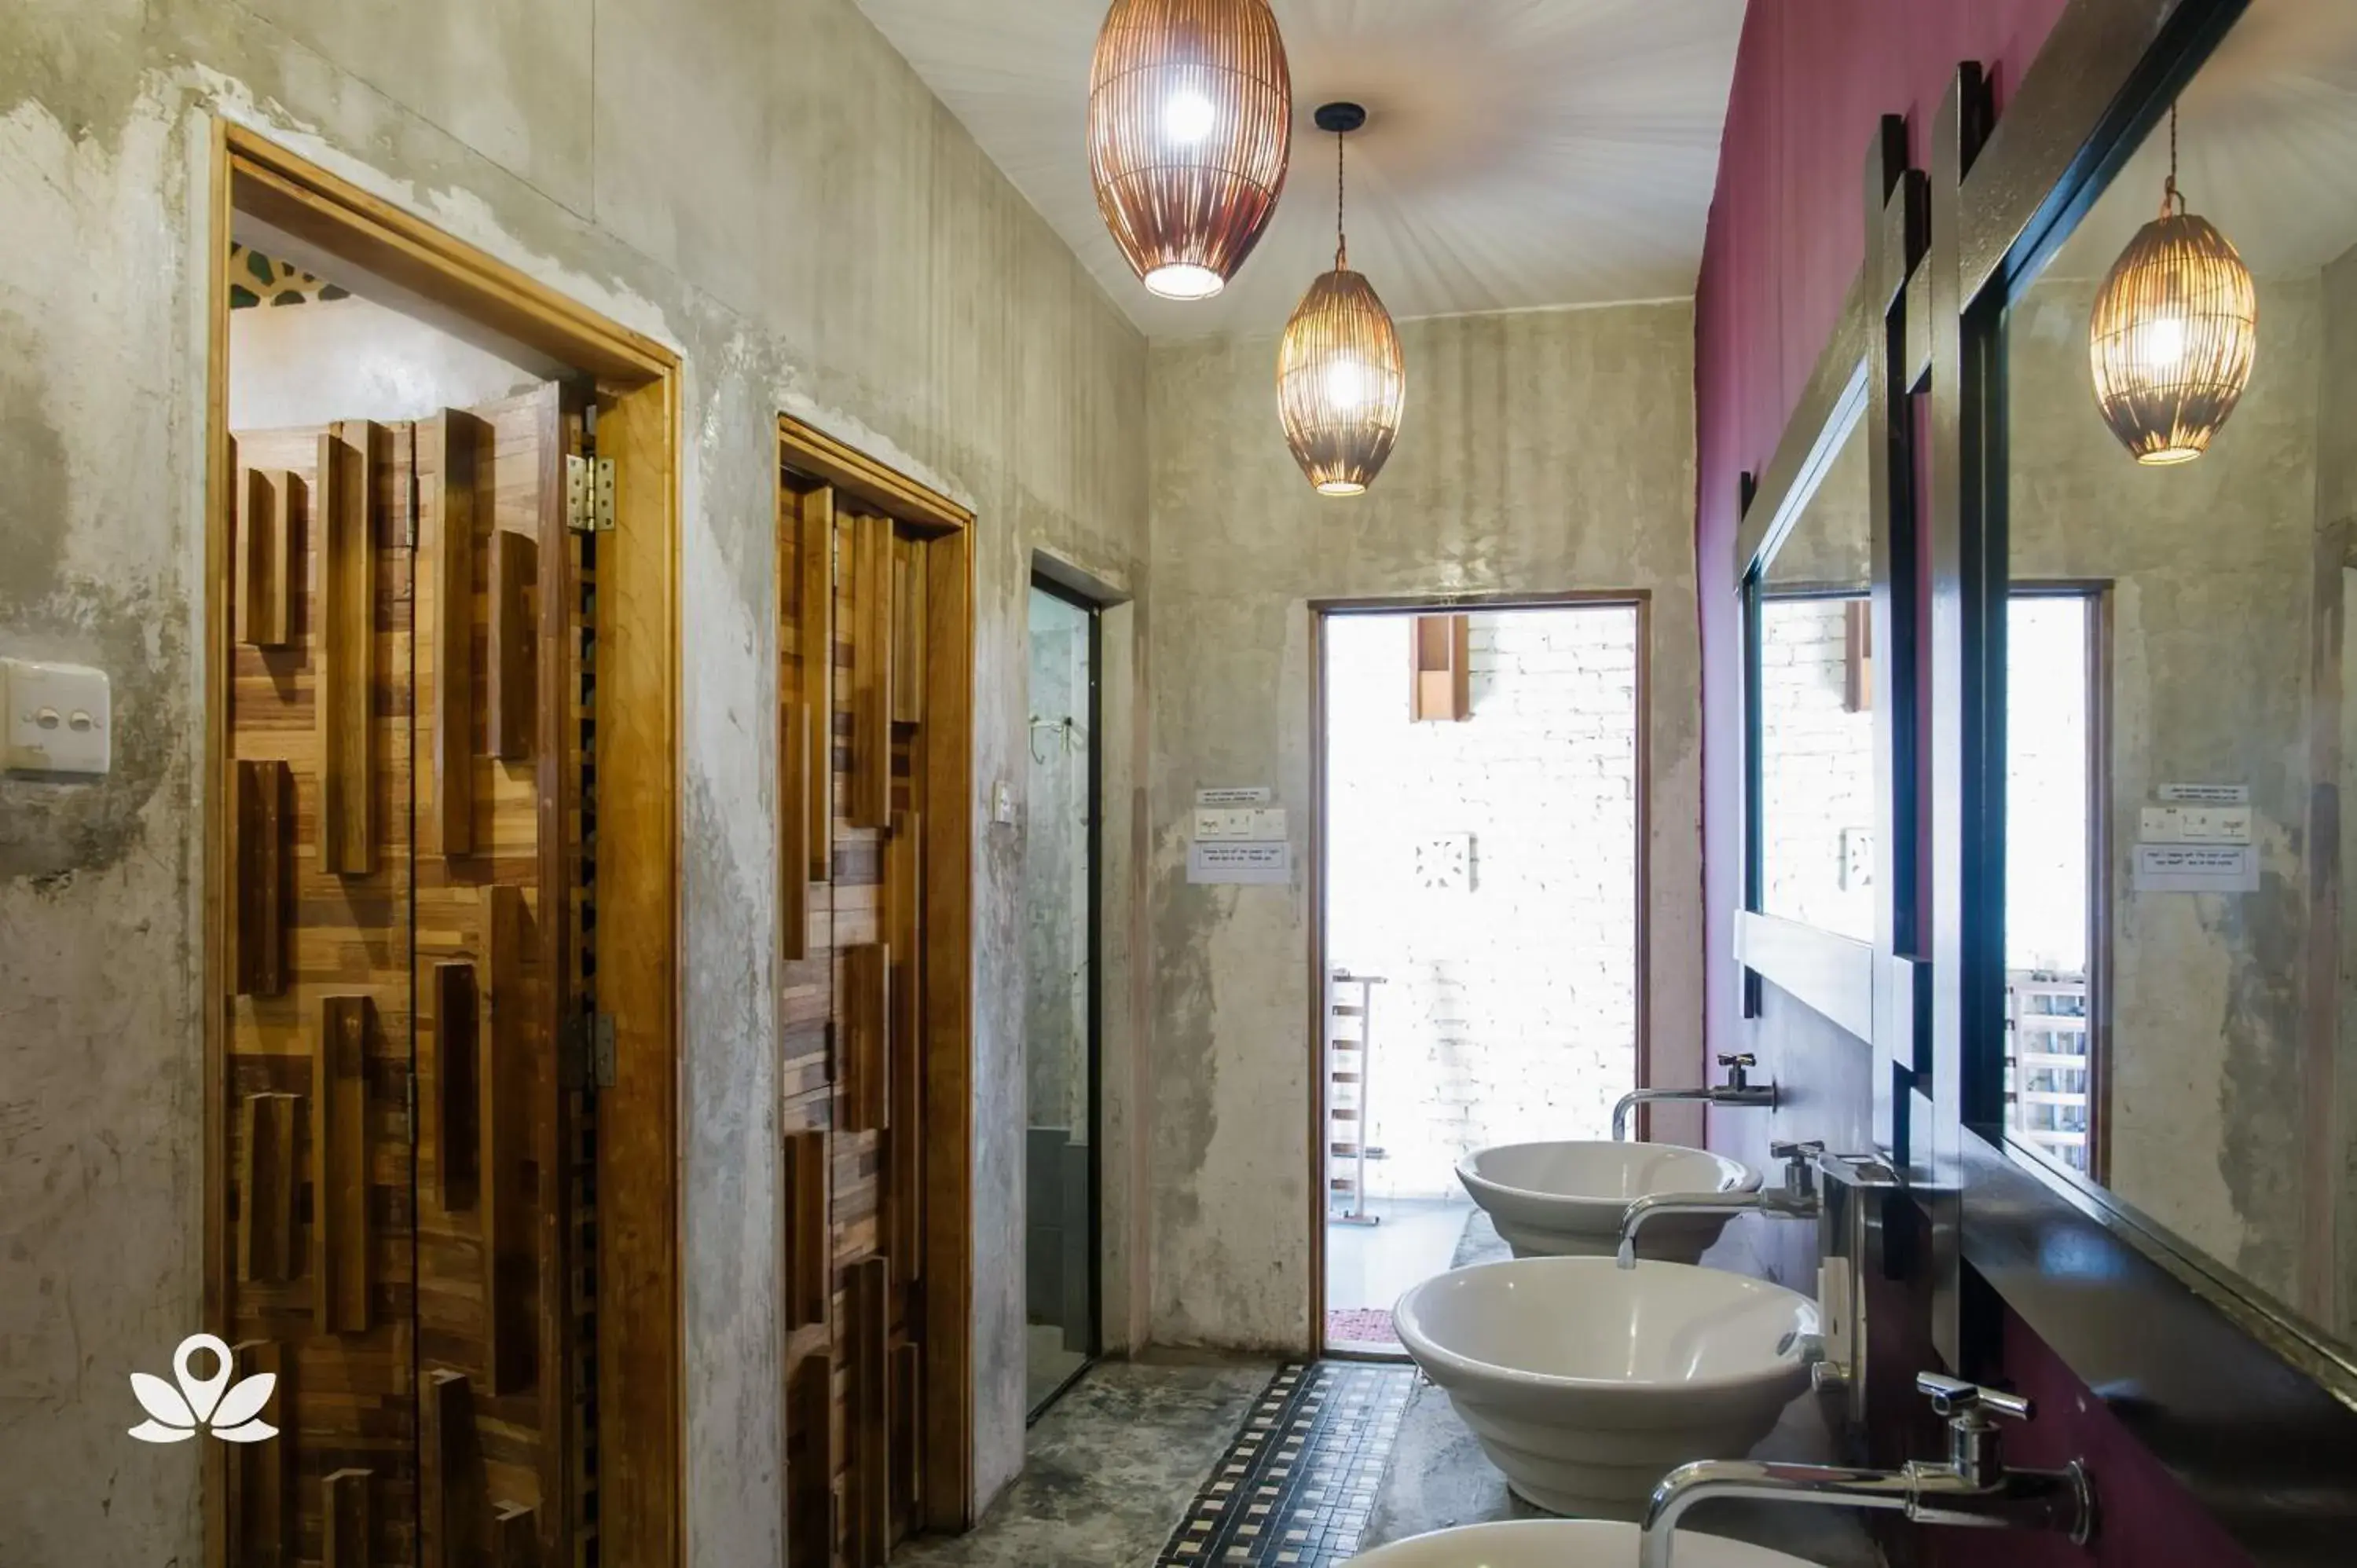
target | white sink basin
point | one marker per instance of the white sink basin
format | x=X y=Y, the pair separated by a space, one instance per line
x=1587 y=1382
x=1560 y=1543
x=1567 y=1199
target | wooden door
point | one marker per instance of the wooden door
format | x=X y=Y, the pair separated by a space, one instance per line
x=404 y=753
x=852 y=1040
x=318 y=1282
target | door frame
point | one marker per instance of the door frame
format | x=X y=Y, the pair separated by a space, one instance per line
x=640 y=1349
x=1055 y=587
x=1640 y=601
x=946 y=1449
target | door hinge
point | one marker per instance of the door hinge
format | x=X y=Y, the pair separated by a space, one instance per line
x=589 y=1052
x=589 y=494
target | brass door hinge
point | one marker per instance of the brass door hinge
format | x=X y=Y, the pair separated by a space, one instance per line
x=589 y=494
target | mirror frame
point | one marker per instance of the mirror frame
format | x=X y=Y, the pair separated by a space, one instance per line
x=1875 y=990
x=2252 y=1410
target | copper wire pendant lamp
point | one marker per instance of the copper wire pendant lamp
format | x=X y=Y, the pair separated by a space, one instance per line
x=2175 y=329
x=1340 y=378
x=1190 y=126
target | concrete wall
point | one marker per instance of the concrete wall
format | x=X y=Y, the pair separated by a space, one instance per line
x=766 y=187
x=1540 y=451
x=1509 y=1011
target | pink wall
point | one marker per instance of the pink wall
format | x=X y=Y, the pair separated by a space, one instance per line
x=1787 y=228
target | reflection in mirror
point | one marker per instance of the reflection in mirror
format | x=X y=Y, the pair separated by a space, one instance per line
x=1816 y=706
x=2181 y=506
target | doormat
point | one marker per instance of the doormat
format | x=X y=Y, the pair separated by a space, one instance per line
x=1294 y=1488
x=1359 y=1327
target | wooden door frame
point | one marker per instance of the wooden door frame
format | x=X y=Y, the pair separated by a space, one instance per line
x=641 y=1355
x=1641 y=601
x=945 y=1451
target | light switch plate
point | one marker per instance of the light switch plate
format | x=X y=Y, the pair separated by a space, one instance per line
x=57 y=718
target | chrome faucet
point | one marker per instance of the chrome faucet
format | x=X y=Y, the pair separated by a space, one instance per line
x=1737 y=1090
x=1973 y=1487
x=1796 y=1200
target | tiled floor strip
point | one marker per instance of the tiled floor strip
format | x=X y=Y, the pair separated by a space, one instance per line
x=1294 y=1489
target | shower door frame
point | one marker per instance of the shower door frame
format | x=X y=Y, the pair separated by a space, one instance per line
x=1094 y=986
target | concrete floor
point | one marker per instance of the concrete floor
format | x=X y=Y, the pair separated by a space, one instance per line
x=1109 y=1470
x=1046 y=1362
x=1373 y=1265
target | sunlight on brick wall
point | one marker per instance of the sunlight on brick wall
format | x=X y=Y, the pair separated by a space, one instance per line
x=1510 y=1010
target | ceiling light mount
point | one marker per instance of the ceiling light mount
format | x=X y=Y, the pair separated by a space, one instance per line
x=2173 y=333
x=1189 y=131
x=1341 y=380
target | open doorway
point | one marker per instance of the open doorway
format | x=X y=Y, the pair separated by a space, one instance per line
x=1061 y=946
x=1479 y=917
x=2057 y=877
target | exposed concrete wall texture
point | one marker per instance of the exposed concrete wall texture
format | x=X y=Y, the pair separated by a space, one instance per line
x=1540 y=451
x=768 y=188
x=2212 y=565
x=1509 y=1008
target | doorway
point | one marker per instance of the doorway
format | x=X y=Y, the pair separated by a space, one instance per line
x=1480 y=920
x=440 y=1147
x=2057 y=873
x=1062 y=947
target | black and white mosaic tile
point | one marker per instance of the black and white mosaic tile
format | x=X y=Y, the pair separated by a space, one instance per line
x=1296 y=1488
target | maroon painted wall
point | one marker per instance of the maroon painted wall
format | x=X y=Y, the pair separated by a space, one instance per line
x=1787 y=228
x=1786 y=231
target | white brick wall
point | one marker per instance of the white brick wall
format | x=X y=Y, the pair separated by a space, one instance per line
x=1816 y=770
x=1510 y=1012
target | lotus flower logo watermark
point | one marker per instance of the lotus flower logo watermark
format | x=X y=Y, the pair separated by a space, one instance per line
x=230 y=1408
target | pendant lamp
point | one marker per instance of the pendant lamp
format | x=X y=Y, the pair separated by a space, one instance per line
x=2174 y=332
x=1190 y=126
x=1340 y=379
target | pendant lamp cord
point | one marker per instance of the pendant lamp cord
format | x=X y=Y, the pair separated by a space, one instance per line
x=1342 y=244
x=2172 y=200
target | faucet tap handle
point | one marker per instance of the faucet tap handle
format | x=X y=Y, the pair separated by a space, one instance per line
x=1737 y=1066
x=1796 y=1153
x=1961 y=1401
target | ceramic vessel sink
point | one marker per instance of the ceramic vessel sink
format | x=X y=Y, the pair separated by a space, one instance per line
x=1567 y=1199
x=1560 y=1543
x=1587 y=1382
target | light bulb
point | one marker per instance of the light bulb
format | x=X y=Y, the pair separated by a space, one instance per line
x=1187 y=117
x=2160 y=344
x=1346 y=384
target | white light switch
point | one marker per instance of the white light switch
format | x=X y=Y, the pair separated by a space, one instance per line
x=57 y=718
x=1002 y=804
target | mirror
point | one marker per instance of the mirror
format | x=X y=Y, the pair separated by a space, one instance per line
x=1814 y=701
x=2180 y=513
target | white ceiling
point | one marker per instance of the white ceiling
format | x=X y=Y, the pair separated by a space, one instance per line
x=1518 y=153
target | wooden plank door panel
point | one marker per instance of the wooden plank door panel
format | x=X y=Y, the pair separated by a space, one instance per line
x=318 y=1166
x=495 y=891
x=858 y=639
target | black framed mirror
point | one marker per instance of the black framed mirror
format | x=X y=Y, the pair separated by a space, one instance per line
x=2172 y=497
